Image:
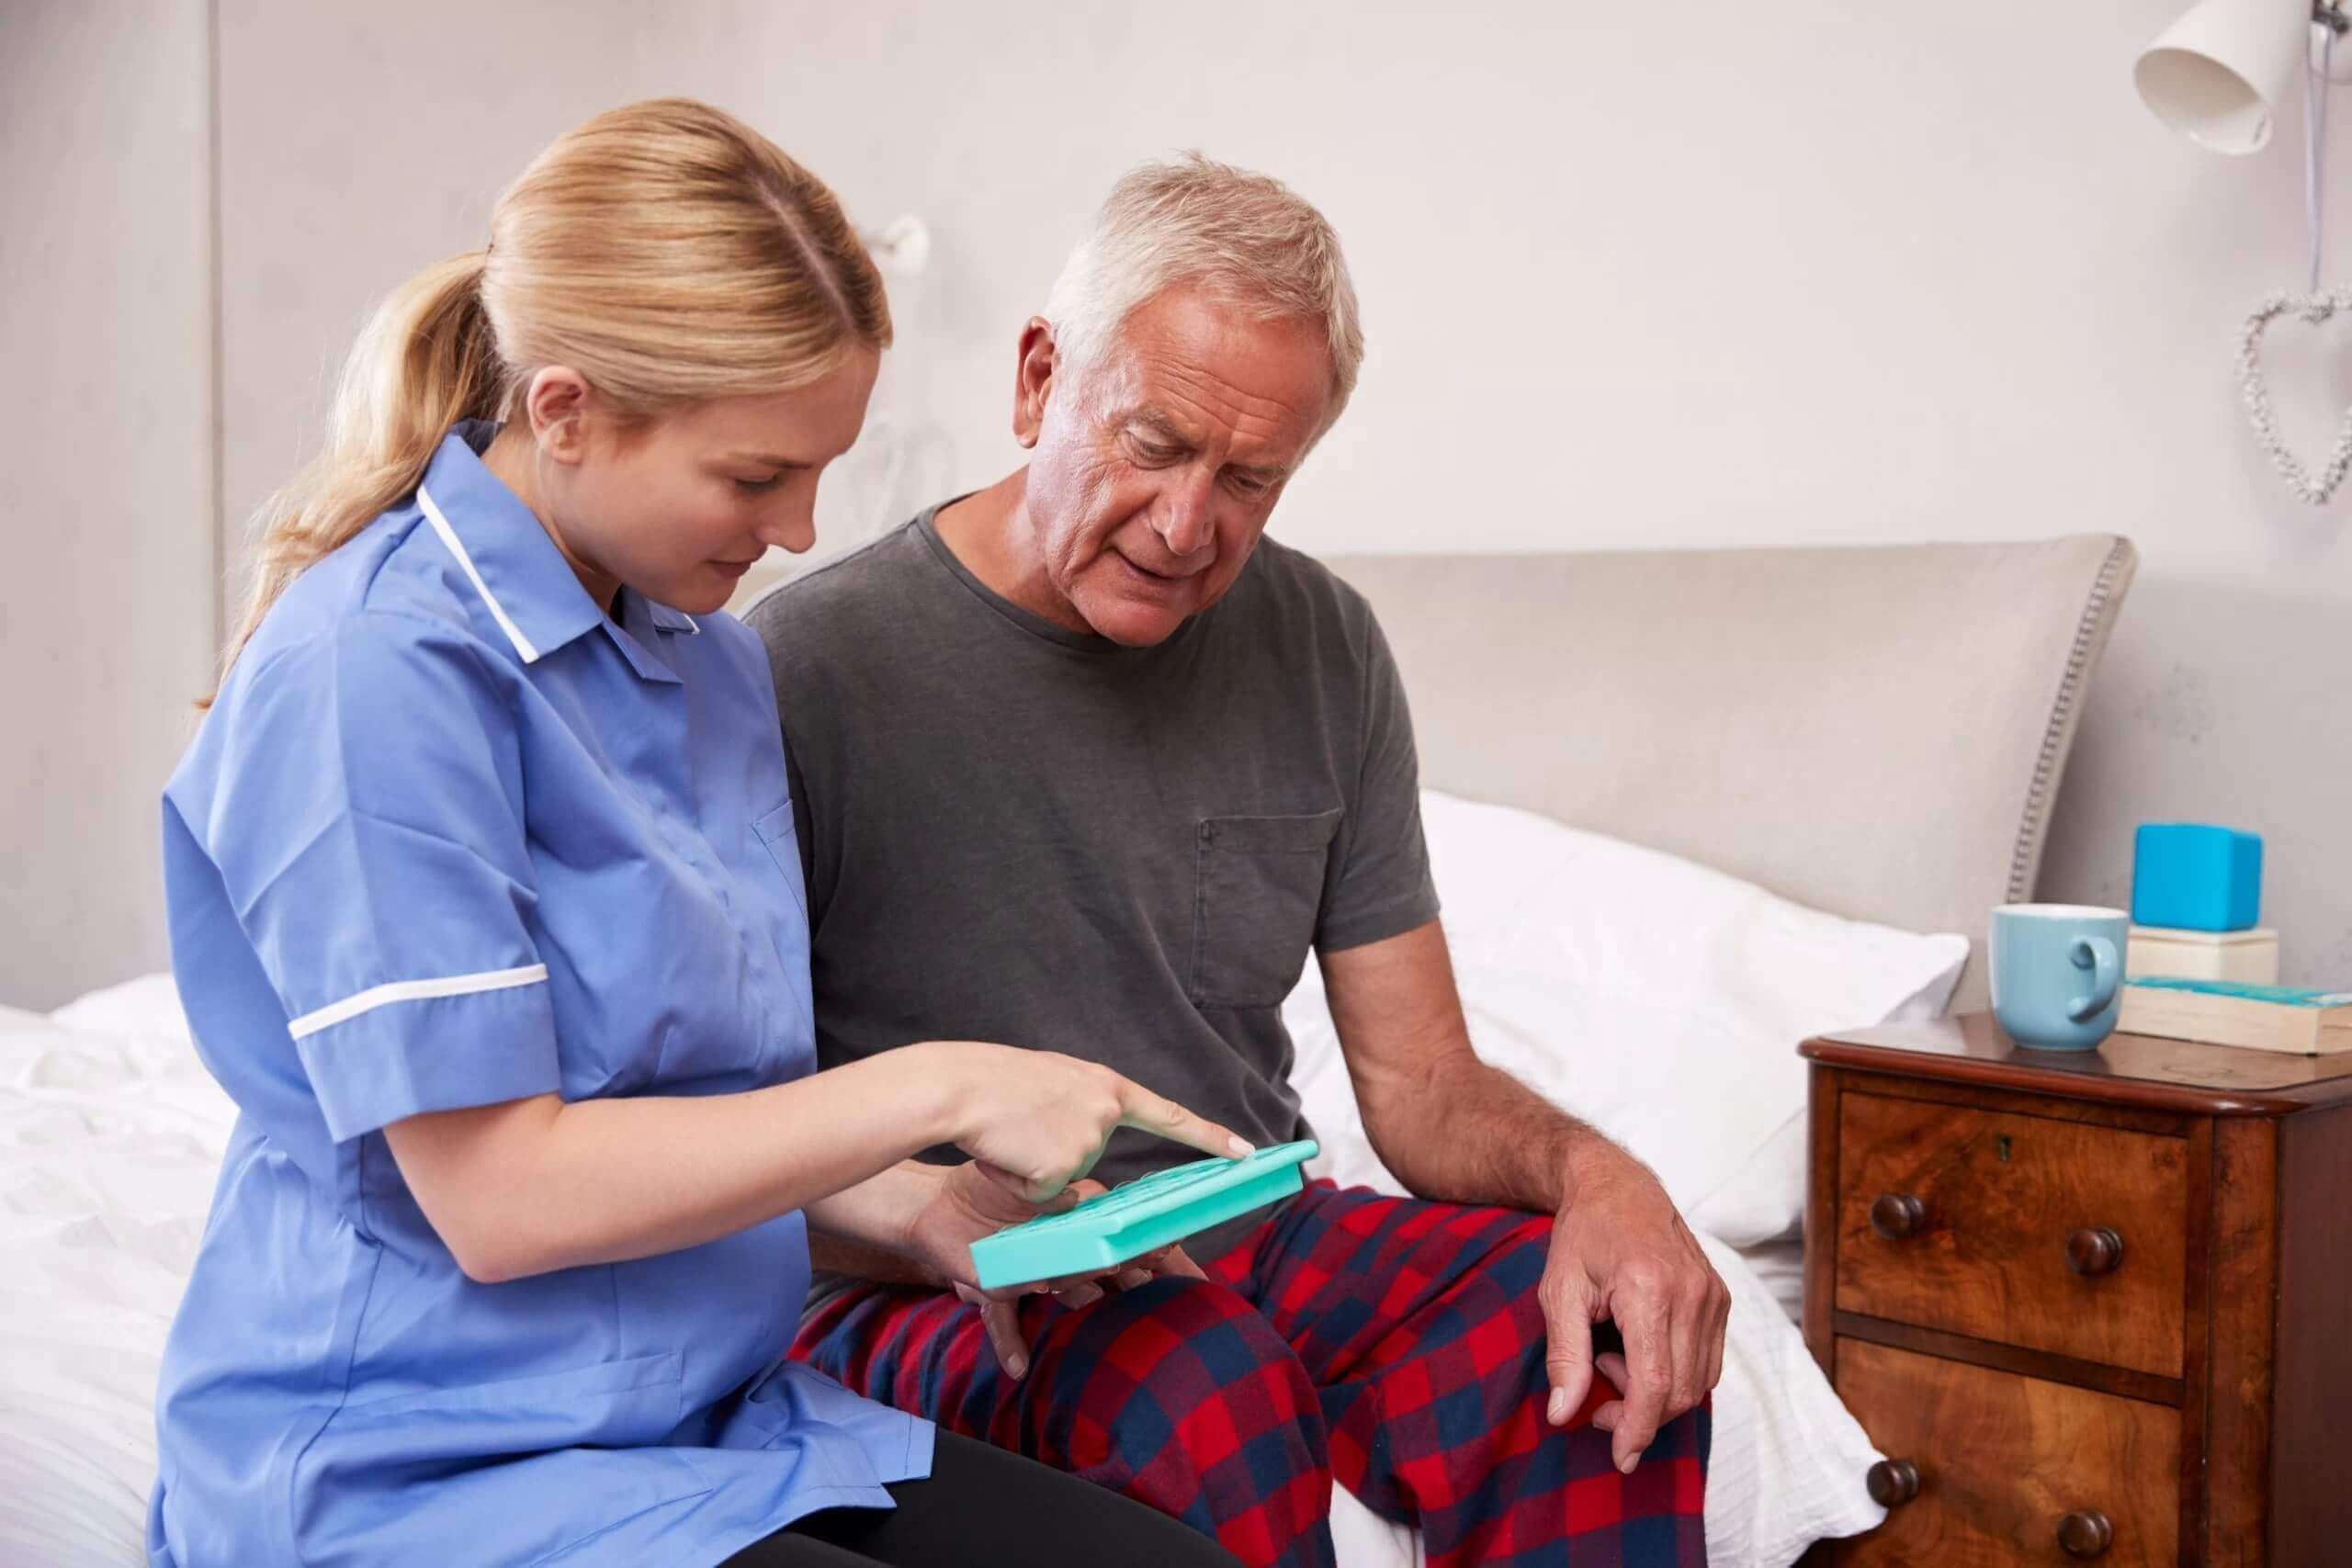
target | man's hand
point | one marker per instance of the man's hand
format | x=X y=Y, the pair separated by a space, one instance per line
x=1619 y=1251
x=966 y=1206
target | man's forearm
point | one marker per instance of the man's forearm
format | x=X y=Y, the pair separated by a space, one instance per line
x=863 y=1230
x=1451 y=1127
x=861 y=1260
x=1475 y=1134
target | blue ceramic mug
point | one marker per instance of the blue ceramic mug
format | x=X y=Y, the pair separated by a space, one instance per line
x=2057 y=973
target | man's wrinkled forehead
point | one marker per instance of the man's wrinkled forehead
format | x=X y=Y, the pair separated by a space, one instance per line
x=1192 y=368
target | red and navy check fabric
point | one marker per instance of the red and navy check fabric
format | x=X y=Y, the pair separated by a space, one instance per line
x=1393 y=1345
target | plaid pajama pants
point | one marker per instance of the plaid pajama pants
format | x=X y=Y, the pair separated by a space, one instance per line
x=1394 y=1345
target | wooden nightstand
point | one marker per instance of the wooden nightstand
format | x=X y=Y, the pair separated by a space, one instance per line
x=2090 y=1305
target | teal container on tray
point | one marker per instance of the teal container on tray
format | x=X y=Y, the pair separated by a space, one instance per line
x=1144 y=1215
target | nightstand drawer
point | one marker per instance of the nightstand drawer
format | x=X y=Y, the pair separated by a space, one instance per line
x=2025 y=1230
x=2010 y=1468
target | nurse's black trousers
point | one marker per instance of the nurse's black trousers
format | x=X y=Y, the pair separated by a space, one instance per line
x=982 y=1508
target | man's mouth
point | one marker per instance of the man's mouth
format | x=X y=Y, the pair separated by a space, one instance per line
x=1165 y=578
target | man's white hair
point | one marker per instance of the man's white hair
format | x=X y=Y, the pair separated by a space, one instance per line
x=1248 y=240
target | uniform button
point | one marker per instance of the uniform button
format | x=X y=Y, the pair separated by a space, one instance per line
x=1208 y=834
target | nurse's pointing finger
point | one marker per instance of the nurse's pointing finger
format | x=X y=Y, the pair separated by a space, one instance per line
x=1146 y=1109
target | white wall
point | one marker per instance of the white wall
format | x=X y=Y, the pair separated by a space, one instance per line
x=1633 y=276
x=105 y=431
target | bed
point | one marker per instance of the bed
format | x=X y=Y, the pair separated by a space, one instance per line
x=1872 y=738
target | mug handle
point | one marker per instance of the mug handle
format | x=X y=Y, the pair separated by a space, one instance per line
x=2097 y=954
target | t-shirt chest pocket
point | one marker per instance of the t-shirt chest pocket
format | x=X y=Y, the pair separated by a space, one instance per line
x=1260 y=891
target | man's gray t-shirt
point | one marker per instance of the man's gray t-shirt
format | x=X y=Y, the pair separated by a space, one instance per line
x=1021 y=833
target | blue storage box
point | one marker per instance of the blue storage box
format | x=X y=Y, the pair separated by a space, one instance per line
x=2195 y=877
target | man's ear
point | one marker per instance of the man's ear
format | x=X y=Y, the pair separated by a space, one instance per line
x=556 y=403
x=1033 y=379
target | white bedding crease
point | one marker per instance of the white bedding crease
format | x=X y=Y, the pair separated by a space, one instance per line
x=110 y=1138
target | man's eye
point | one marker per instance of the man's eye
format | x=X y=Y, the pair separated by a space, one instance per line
x=1250 y=484
x=1151 y=453
x=759 y=487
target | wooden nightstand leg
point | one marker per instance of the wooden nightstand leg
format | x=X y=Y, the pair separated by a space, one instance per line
x=2310 y=1502
x=2231 y=1398
x=1821 y=1219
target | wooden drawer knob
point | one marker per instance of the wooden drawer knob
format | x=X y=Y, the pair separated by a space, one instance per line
x=2086 y=1534
x=1897 y=1215
x=2094 y=1251
x=1893 y=1483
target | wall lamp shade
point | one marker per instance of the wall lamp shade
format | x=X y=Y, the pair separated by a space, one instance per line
x=2217 y=75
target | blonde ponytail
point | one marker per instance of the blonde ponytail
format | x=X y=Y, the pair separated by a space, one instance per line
x=424 y=361
x=665 y=251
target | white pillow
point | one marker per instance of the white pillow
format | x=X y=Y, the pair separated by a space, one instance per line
x=1659 y=1001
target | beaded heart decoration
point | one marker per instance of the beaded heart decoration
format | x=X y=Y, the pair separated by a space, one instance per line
x=2314 y=309
x=2311 y=306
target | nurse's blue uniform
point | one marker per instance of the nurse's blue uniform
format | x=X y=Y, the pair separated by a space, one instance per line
x=452 y=835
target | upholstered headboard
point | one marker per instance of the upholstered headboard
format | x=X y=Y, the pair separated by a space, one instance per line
x=1878 y=731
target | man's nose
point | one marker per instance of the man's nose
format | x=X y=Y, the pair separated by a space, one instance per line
x=1186 y=523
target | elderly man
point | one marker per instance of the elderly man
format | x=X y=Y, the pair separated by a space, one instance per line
x=1083 y=763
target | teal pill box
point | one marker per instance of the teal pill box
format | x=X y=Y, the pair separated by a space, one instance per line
x=2195 y=877
x=1131 y=1220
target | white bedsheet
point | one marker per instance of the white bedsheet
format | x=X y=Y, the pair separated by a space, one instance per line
x=1779 y=1267
x=110 y=1138
x=110 y=1135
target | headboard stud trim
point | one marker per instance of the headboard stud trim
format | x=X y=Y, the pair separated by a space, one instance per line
x=2049 y=763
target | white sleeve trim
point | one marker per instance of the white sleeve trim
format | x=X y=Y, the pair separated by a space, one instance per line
x=415 y=990
x=497 y=611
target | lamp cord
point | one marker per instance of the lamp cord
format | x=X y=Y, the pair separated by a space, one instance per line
x=2315 y=148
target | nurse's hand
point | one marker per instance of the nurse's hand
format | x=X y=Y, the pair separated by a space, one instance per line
x=1037 y=1120
x=968 y=1205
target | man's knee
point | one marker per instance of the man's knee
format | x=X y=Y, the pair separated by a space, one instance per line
x=1178 y=1340
x=1185 y=1380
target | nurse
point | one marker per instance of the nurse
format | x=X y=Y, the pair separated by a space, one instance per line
x=485 y=907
